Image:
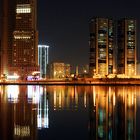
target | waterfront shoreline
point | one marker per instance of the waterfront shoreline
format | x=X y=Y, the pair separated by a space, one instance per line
x=102 y=81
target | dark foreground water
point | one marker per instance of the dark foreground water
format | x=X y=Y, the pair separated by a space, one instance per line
x=69 y=112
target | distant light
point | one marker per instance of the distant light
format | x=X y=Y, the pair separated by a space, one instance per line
x=12 y=76
x=85 y=71
x=34 y=94
x=35 y=72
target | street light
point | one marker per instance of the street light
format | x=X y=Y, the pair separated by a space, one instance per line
x=114 y=71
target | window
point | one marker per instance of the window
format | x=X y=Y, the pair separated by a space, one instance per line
x=23 y=8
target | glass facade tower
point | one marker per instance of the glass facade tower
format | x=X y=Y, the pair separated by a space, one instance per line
x=101 y=46
x=43 y=59
x=126 y=39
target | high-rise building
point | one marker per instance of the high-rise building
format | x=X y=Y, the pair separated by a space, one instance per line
x=19 y=37
x=102 y=43
x=43 y=59
x=126 y=39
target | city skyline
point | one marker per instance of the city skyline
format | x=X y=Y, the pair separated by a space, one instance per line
x=19 y=30
x=64 y=26
x=69 y=69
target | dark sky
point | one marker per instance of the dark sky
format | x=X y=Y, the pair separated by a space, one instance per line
x=64 y=24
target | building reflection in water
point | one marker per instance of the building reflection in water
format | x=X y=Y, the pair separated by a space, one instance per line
x=112 y=112
x=18 y=119
x=38 y=95
x=64 y=98
x=25 y=109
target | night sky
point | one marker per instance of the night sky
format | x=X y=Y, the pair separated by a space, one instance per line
x=64 y=25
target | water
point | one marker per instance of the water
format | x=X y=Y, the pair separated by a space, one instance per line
x=69 y=112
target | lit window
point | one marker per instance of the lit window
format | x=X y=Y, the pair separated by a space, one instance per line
x=23 y=8
x=21 y=37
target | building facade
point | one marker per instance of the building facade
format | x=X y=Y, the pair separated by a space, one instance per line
x=107 y=105
x=59 y=70
x=67 y=70
x=126 y=39
x=19 y=37
x=43 y=59
x=101 y=43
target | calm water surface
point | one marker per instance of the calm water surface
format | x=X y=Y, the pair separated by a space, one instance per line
x=69 y=112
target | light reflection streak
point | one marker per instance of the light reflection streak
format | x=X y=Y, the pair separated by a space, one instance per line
x=105 y=104
x=38 y=95
x=76 y=97
x=54 y=99
x=13 y=92
x=114 y=99
x=59 y=99
x=94 y=96
x=85 y=99
x=34 y=94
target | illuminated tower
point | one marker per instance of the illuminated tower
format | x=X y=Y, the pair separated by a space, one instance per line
x=127 y=46
x=101 y=46
x=43 y=59
x=20 y=38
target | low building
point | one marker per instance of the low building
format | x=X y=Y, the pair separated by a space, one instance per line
x=59 y=70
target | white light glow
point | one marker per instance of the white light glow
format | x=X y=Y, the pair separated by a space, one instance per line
x=21 y=37
x=43 y=117
x=43 y=46
x=23 y=10
x=12 y=76
x=34 y=94
x=13 y=92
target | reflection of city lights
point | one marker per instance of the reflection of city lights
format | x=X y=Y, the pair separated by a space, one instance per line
x=34 y=93
x=54 y=99
x=60 y=99
x=22 y=131
x=114 y=99
x=43 y=117
x=85 y=99
x=13 y=92
x=132 y=99
x=129 y=100
x=94 y=96
x=76 y=98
